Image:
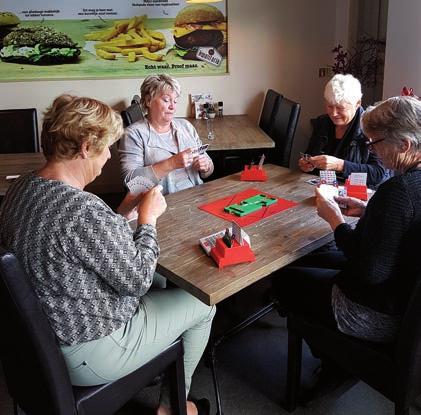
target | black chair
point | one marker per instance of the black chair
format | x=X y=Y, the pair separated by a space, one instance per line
x=394 y=370
x=283 y=131
x=133 y=113
x=34 y=367
x=270 y=107
x=19 y=131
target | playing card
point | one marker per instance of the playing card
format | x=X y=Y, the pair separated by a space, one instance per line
x=342 y=192
x=358 y=179
x=328 y=191
x=314 y=182
x=237 y=233
x=140 y=184
x=305 y=156
x=328 y=177
x=198 y=151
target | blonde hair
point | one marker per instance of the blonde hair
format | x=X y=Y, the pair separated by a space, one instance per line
x=71 y=121
x=343 y=88
x=154 y=85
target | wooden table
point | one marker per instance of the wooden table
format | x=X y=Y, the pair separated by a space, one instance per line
x=16 y=164
x=277 y=240
x=233 y=132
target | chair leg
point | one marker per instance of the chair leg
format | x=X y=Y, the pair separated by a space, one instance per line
x=401 y=409
x=213 y=343
x=212 y=364
x=294 y=370
x=178 y=387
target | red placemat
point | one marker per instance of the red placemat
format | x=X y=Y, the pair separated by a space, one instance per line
x=217 y=207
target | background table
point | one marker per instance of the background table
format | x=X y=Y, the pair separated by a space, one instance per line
x=16 y=164
x=21 y=163
x=233 y=132
x=277 y=240
x=238 y=141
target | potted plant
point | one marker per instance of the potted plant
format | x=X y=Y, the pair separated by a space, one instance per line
x=365 y=61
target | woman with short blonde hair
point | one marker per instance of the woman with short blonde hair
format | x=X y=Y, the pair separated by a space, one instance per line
x=160 y=148
x=71 y=121
x=155 y=85
x=92 y=273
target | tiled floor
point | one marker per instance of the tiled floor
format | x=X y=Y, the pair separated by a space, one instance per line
x=252 y=380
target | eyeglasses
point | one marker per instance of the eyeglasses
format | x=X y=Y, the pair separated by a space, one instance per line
x=370 y=143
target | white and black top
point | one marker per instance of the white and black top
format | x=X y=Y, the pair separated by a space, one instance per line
x=141 y=147
x=87 y=266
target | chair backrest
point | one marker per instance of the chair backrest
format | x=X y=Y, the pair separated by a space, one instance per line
x=132 y=113
x=283 y=131
x=19 y=131
x=34 y=367
x=270 y=106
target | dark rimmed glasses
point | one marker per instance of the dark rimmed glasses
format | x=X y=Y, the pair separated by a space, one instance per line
x=370 y=144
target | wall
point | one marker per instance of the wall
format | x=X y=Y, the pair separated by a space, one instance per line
x=277 y=44
x=403 y=58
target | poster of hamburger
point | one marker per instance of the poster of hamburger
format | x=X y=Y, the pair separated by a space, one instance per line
x=42 y=39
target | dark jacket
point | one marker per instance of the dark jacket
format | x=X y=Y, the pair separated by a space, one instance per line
x=351 y=148
x=383 y=249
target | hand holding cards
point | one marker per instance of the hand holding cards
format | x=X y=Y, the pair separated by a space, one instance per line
x=328 y=191
x=305 y=156
x=140 y=184
x=201 y=162
x=305 y=163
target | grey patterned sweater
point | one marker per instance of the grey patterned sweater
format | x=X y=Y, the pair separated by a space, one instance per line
x=87 y=266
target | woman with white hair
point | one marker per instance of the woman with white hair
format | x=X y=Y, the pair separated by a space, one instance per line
x=368 y=298
x=337 y=142
x=160 y=147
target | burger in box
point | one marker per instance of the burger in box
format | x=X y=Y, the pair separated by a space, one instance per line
x=199 y=25
x=38 y=45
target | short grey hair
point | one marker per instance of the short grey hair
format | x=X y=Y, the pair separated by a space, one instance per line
x=154 y=85
x=394 y=119
x=343 y=88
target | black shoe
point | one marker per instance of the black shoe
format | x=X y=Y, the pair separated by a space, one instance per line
x=203 y=406
x=330 y=379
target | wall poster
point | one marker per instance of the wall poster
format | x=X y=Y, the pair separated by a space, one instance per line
x=59 y=39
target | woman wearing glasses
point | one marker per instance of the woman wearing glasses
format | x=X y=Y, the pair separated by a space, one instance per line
x=337 y=142
x=368 y=297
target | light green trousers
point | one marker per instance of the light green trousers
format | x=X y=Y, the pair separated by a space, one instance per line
x=162 y=316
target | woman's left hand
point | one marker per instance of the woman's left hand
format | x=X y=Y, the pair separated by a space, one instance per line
x=328 y=209
x=324 y=162
x=201 y=163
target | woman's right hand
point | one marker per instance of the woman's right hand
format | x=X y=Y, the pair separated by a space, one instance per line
x=182 y=159
x=305 y=165
x=354 y=207
x=151 y=206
